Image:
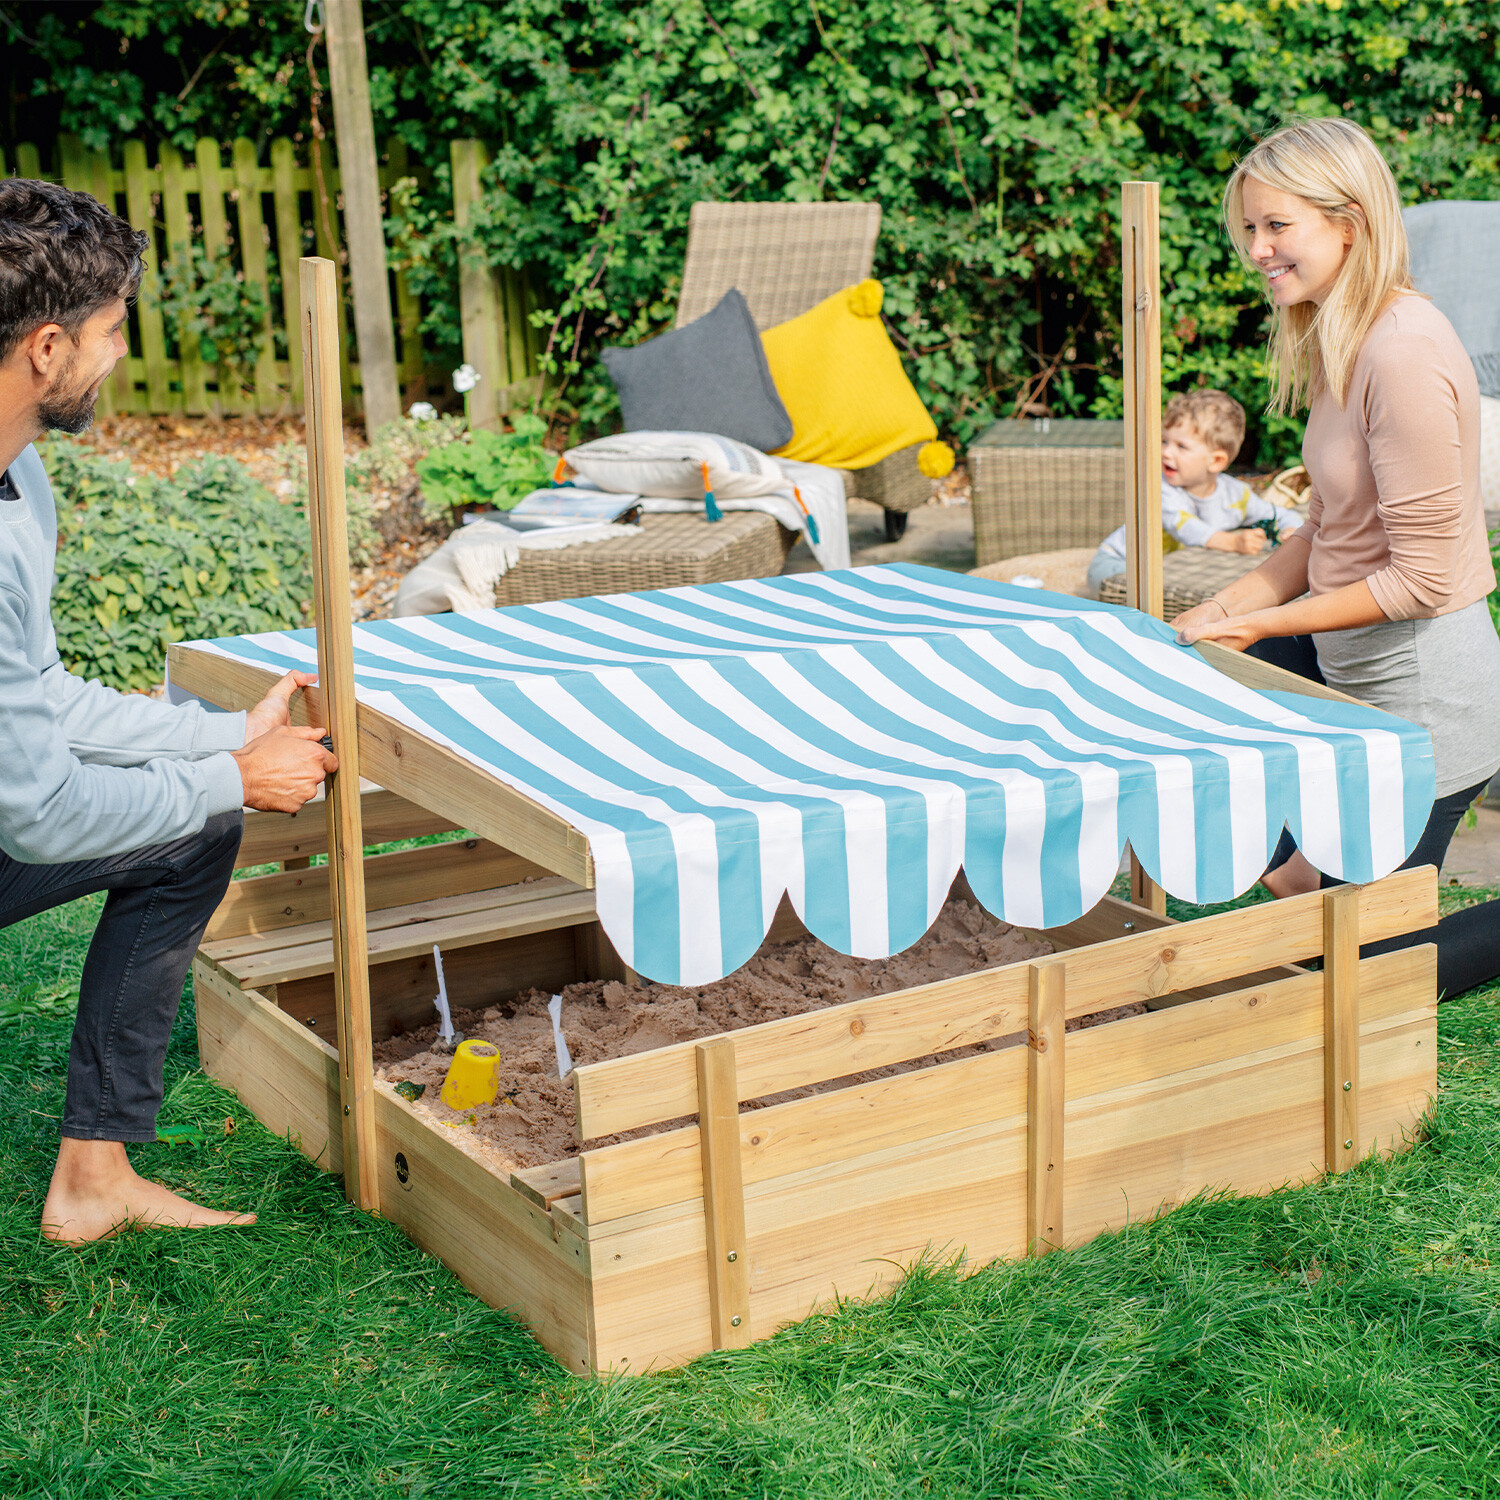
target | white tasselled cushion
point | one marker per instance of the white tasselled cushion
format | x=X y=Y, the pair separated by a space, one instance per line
x=670 y=465
x=1489 y=452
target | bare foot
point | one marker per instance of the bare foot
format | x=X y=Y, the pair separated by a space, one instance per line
x=96 y=1193
x=1295 y=878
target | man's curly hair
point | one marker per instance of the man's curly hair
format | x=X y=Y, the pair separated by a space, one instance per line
x=63 y=256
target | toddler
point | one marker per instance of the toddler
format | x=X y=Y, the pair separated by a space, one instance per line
x=1201 y=506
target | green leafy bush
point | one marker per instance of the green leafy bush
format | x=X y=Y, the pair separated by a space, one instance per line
x=491 y=468
x=212 y=310
x=142 y=562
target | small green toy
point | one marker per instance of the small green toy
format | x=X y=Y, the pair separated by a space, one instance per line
x=411 y=1091
x=181 y=1135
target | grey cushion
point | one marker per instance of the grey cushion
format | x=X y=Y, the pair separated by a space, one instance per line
x=709 y=376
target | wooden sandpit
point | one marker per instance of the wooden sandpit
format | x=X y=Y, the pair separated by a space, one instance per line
x=646 y=1251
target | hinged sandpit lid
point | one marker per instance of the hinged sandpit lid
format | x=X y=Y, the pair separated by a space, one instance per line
x=853 y=738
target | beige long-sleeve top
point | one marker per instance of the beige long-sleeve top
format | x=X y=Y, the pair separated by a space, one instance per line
x=1395 y=474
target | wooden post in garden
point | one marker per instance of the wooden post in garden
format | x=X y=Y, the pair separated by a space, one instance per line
x=1140 y=318
x=346 y=868
x=480 y=312
x=359 y=177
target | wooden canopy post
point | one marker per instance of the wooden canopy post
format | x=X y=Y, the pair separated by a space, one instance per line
x=1140 y=318
x=346 y=870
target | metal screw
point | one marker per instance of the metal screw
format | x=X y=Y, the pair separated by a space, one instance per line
x=1129 y=926
x=346 y=1109
x=734 y=1322
x=1348 y=1145
x=1348 y=1084
x=733 y=1255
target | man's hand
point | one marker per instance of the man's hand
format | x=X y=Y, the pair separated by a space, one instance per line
x=274 y=710
x=284 y=768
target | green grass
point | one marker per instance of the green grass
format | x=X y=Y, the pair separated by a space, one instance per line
x=1341 y=1339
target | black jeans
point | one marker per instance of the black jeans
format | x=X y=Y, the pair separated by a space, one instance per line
x=1468 y=941
x=160 y=900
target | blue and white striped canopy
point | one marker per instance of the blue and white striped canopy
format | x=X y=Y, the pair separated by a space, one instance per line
x=854 y=738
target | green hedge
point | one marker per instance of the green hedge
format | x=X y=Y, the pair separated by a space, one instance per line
x=995 y=136
x=142 y=562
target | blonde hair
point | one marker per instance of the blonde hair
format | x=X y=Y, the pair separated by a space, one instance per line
x=1335 y=166
x=1217 y=418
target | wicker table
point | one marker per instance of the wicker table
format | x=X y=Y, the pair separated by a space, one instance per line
x=1043 y=485
x=669 y=551
x=1188 y=577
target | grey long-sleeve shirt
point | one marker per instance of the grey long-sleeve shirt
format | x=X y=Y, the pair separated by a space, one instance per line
x=86 y=771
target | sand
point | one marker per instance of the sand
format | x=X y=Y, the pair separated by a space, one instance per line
x=532 y=1121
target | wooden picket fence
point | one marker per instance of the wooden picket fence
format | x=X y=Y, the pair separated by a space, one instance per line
x=266 y=217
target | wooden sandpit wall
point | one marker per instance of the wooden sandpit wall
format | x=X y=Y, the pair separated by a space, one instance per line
x=645 y=1253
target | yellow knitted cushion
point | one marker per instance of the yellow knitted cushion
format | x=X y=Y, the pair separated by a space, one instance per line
x=841 y=381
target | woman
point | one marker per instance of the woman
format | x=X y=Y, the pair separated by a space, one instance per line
x=1394 y=558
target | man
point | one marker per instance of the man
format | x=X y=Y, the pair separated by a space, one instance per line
x=101 y=790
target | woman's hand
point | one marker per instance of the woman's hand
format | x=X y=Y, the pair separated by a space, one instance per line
x=1210 y=612
x=1237 y=633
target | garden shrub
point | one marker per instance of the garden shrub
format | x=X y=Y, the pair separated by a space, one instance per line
x=490 y=468
x=142 y=562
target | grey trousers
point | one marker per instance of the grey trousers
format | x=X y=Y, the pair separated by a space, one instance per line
x=160 y=900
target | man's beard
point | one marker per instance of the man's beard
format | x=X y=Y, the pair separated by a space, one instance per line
x=66 y=410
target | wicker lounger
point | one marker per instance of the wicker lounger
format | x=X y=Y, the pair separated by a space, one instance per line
x=671 y=550
x=785 y=258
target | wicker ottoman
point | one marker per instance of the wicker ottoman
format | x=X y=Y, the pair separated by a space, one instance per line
x=1188 y=577
x=669 y=551
x=1040 y=486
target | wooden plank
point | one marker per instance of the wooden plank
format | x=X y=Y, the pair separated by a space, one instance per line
x=489 y=923
x=1251 y=672
x=288 y=210
x=548 y=1184
x=1341 y=1010
x=402 y=991
x=386 y=817
x=330 y=558
x=327 y=237
x=418 y=769
x=491 y=903
x=413 y=366
x=846 y=1229
x=213 y=183
x=140 y=184
x=252 y=228
x=1140 y=321
x=1250 y=939
x=174 y=205
x=852 y=1219
x=811 y=1134
x=117 y=394
x=723 y=1194
x=1046 y=1095
x=517 y=345
x=628 y=1092
x=625 y=1093
x=283 y=1074
x=500 y=1244
x=1220 y=1095
x=291 y=898
x=369 y=280
x=480 y=313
